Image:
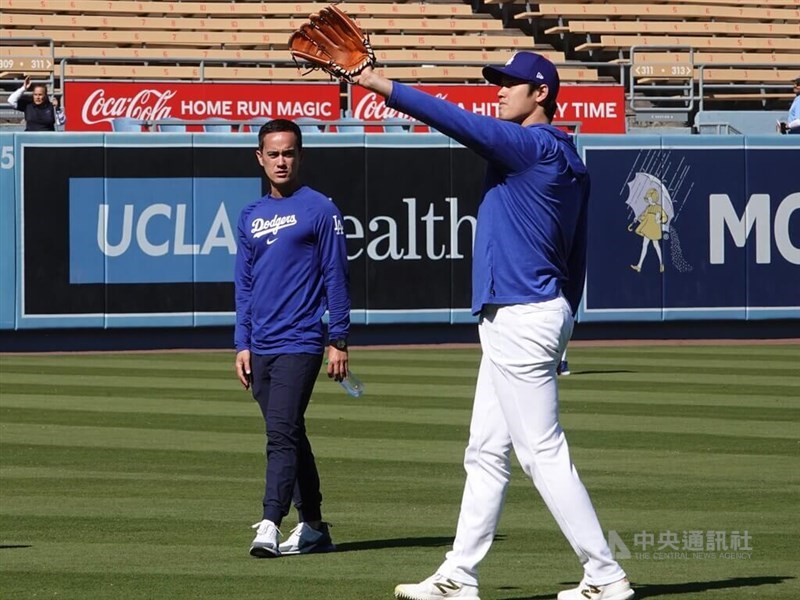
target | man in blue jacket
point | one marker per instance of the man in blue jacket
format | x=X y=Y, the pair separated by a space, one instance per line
x=528 y=271
x=291 y=265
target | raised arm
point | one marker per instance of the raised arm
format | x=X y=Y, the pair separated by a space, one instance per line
x=13 y=99
x=499 y=141
x=374 y=82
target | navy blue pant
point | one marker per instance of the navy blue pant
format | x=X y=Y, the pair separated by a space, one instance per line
x=282 y=386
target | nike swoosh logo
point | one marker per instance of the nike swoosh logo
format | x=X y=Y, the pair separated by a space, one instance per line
x=271 y=240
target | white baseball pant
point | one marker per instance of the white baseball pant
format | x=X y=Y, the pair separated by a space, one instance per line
x=516 y=404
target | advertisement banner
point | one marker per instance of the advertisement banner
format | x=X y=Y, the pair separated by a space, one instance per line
x=679 y=232
x=131 y=230
x=156 y=230
x=599 y=108
x=92 y=105
x=135 y=230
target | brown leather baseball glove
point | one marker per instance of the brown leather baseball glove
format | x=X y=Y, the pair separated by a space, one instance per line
x=331 y=41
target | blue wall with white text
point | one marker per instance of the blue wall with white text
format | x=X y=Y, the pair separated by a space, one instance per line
x=121 y=230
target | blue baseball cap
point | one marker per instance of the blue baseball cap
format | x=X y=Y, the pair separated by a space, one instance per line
x=527 y=66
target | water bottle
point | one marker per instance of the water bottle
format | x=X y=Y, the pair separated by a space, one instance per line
x=352 y=385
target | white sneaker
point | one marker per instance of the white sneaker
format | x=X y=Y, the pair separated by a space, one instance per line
x=304 y=539
x=265 y=544
x=619 y=590
x=435 y=587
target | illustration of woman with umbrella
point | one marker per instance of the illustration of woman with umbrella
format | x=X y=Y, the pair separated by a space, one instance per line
x=651 y=221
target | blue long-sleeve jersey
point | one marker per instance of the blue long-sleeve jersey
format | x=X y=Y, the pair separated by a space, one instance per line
x=530 y=240
x=291 y=265
x=794 y=114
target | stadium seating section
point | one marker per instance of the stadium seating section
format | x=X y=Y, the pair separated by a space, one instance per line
x=737 y=49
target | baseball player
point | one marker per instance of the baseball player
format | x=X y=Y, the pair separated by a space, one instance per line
x=291 y=264
x=527 y=280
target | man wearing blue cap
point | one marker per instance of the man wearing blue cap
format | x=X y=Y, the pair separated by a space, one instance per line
x=528 y=271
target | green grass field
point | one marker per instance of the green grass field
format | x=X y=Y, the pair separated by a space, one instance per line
x=139 y=475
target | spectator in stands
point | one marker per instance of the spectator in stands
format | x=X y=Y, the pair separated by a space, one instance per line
x=792 y=124
x=41 y=113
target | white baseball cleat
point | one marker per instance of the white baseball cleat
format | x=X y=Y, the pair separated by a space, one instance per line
x=619 y=590
x=265 y=544
x=435 y=587
x=304 y=539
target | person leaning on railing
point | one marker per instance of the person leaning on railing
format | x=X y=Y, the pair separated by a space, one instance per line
x=792 y=123
x=41 y=113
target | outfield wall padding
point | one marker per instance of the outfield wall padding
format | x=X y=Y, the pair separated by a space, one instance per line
x=128 y=230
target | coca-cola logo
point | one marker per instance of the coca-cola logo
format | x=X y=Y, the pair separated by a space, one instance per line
x=150 y=105
x=373 y=108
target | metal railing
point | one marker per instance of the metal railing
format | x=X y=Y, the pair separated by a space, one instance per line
x=717 y=128
x=621 y=71
x=308 y=125
x=201 y=65
x=22 y=63
x=663 y=74
x=661 y=94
